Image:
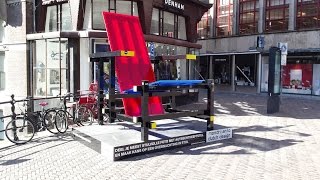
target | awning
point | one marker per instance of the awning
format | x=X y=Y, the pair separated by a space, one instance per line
x=3 y=10
x=229 y=53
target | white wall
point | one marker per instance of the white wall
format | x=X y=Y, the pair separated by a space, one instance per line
x=85 y=65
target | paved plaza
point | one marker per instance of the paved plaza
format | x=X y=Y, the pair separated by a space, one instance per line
x=285 y=145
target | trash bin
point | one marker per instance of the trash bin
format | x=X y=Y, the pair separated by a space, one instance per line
x=1 y=126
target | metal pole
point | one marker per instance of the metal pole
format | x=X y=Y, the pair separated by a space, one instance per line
x=233 y=73
x=112 y=83
x=14 y=115
x=100 y=92
x=210 y=105
x=259 y=69
x=144 y=111
x=210 y=67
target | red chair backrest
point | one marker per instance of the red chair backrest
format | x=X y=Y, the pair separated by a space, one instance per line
x=125 y=33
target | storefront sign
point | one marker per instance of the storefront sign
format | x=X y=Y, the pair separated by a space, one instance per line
x=47 y=2
x=174 y=4
x=283 y=47
x=220 y=60
x=131 y=150
x=219 y=134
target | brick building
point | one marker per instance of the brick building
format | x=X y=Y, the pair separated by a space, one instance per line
x=229 y=34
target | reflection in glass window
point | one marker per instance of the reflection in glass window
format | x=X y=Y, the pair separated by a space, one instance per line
x=308 y=14
x=168 y=24
x=52 y=19
x=119 y=6
x=155 y=22
x=182 y=28
x=224 y=17
x=98 y=7
x=169 y=69
x=58 y=18
x=50 y=67
x=127 y=7
x=277 y=15
x=249 y=16
x=66 y=23
x=203 y=27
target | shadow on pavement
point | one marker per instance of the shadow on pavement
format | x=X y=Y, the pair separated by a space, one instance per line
x=241 y=144
x=256 y=105
x=35 y=143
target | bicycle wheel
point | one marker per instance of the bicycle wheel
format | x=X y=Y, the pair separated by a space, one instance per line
x=61 y=121
x=84 y=116
x=20 y=131
x=49 y=121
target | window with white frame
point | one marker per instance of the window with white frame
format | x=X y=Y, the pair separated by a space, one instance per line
x=50 y=67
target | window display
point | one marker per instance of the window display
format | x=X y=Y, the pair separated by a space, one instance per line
x=297 y=78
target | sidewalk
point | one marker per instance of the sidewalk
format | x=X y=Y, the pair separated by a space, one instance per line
x=283 y=145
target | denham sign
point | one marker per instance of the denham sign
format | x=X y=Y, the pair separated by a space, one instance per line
x=174 y=4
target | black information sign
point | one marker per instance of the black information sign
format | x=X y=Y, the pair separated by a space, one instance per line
x=122 y=152
x=274 y=80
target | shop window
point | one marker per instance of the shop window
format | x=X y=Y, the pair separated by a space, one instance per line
x=297 y=78
x=203 y=27
x=248 y=16
x=58 y=18
x=308 y=14
x=224 y=17
x=170 y=69
x=2 y=73
x=277 y=15
x=1 y=30
x=168 y=24
x=50 y=67
x=117 y=6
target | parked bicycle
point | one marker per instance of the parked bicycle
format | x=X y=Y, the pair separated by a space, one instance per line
x=45 y=119
x=20 y=129
x=66 y=114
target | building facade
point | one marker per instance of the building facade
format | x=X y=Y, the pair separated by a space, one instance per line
x=237 y=34
x=15 y=24
x=68 y=31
